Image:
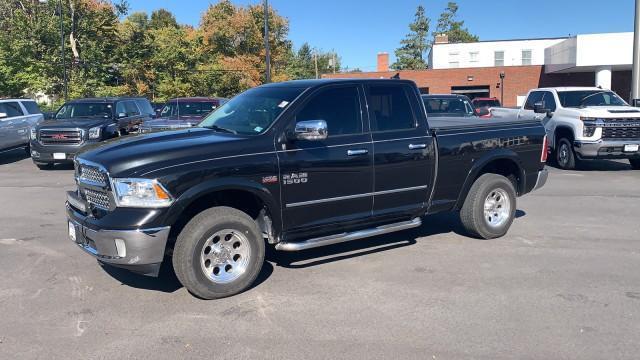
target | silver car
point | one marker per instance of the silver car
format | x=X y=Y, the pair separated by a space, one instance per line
x=17 y=116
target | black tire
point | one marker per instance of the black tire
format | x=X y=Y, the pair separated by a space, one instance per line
x=44 y=165
x=565 y=156
x=191 y=243
x=27 y=150
x=635 y=164
x=472 y=213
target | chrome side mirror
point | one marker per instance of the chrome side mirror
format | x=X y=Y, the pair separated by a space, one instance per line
x=122 y=115
x=311 y=130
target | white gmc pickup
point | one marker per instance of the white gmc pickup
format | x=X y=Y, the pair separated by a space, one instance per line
x=583 y=123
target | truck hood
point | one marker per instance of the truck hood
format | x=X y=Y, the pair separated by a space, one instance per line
x=172 y=122
x=85 y=123
x=606 y=112
x=134 y=155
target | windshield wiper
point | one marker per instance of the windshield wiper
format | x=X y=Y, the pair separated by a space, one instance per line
x=221 y=129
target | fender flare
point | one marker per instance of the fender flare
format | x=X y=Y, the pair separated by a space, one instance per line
x=498 y=154
x=216 y=185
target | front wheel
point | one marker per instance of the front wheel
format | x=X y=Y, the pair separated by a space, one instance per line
x=635 y=164
x=219 y=253
x=565 y=156
x=490 y=207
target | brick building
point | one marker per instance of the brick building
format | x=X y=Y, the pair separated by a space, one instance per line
x=474 y=69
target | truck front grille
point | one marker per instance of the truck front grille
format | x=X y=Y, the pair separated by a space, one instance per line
x=93 y=175
x=98 y=199
x=620 y=133
x=60 y=137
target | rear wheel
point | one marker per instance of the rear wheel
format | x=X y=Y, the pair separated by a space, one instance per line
x=490 y=207
x=565 y=156
x=635 y=164
x=219 y=253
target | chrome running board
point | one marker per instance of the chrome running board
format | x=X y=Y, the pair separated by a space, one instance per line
x=344 y=237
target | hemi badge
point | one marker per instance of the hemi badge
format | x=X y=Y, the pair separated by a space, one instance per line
x=270 y=179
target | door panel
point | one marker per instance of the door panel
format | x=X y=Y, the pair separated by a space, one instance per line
x=403 y=151
x=328 y=181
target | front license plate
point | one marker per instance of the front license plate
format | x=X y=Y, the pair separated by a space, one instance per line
x=72 y=231
x=631 y=148
x=59 y=156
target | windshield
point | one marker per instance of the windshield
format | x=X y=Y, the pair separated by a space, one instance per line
x=486 y=103
x=84 y=110
x=253 y=111
x=584 y=98
x=189 y=108
x=448 y=106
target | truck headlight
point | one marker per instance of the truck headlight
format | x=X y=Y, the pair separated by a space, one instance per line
x=32 y=134
x=143 y=193
x=94 y=133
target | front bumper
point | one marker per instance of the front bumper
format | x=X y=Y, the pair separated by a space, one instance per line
x=44 y=153
x=605 y=149
x=139 y=250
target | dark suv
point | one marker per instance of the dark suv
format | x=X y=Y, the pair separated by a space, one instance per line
x=83 y=122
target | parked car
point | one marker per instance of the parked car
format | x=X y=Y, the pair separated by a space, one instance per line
x=485 y=103
x=17 y=116
x=85 y=122
x=182 y=113
x=450 y=106
x=296 y=165
x=583 y=123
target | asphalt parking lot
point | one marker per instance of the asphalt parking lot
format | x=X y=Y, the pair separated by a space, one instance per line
x=564 y=284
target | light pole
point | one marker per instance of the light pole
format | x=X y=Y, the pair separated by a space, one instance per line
x=635 y=78
x=64 y=67
x=502 y=75
x=267 y=75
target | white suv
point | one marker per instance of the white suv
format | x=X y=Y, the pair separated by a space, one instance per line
x=584 y=123
x=17 y=116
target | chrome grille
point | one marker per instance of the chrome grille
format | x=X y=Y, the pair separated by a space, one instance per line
x=60 y=136
x=99 y=199
x=92 y=175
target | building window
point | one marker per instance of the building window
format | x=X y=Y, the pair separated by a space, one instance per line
x=499 y=58
x=454 y=64
x=473 y=57
x=526 y=57
x=453 y=59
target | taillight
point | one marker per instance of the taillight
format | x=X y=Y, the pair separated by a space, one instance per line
x=545 y=149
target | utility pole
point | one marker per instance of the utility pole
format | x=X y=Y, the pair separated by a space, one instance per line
x=635 y=81
x=315 y=59
x=502 y=75
x=335 y=62
x=266 y=42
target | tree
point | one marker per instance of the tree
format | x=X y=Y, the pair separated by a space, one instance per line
x=162 y=18
x=302 y=64
x=412 y=54
x=455 y=30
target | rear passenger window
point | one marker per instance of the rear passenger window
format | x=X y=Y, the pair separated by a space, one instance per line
x=339 y=107
x=390 y=108
x=12 y=109
x=31 y=107
x=533 y=98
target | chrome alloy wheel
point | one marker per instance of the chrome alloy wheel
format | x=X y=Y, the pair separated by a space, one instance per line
x=497 y=208
x=563 y=154
x=225 y=255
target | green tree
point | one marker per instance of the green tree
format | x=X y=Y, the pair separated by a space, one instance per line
x=415 y=46
x=302 y=64
x=162 y=18
x=455 y=30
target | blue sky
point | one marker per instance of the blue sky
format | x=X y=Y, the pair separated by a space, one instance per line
x=359 y=29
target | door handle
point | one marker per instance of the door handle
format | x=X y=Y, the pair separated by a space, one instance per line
x=357 y=152
x=417 y=146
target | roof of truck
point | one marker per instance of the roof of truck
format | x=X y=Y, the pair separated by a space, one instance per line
x=570 y=88
x=318 y=82
x=105 y=99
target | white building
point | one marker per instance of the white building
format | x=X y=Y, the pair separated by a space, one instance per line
x=596 y=53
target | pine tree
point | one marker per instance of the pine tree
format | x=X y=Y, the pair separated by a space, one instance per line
x=455 y=30
x=415 y=46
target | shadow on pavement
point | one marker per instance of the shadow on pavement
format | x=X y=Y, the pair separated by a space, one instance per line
x=12 y=156
x=599 y=165
x=432 y=225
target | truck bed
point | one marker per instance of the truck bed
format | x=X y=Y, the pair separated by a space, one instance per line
x=466 y=123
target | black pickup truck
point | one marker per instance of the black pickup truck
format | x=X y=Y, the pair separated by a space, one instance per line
x=295 y=165
x=82 y=123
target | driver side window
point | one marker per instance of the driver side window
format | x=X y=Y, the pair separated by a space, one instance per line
x=339 y=107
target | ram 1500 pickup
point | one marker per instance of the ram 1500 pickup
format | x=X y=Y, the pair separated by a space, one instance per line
x=295 y=165
x=583 y=123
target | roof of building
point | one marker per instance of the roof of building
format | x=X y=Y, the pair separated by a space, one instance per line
x=506 y=40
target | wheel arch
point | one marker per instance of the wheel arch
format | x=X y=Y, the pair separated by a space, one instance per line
x=503 y=162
